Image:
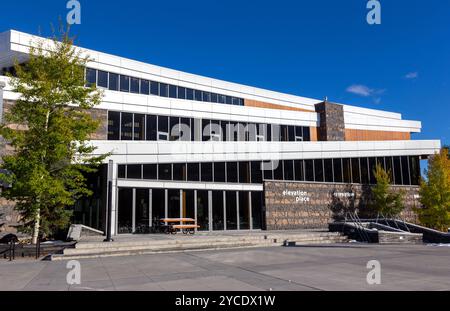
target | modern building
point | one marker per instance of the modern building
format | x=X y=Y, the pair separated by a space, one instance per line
x=233 y=157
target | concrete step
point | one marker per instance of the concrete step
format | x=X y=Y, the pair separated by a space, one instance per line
x=194 y=243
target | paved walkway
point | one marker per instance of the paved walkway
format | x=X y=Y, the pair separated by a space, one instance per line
x=329 y=267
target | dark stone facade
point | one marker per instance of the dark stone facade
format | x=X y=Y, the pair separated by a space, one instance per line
x=332 y=125
x=303 y=205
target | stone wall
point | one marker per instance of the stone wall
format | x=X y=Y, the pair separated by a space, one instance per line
x=9 y=218
x=303 y=205
x=332 y=124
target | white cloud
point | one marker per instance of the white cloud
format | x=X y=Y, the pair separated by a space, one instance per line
x=412 y=75
x=363 y=90
x=359 y=89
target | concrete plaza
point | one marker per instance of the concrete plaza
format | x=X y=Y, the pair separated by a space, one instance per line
x=322 y=267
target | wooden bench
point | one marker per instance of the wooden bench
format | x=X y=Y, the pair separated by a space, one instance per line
x=183 y=225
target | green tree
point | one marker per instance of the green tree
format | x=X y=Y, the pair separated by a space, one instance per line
x=384 y=199
x=48 y=128
x=435 y=193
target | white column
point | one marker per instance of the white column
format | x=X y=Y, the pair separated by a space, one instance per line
x=133 y=213
x=2 y=85
x=114 y=201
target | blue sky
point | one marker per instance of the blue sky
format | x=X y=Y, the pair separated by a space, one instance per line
x=313 y=48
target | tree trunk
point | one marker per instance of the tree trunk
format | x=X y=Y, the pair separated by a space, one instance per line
x=37 y=223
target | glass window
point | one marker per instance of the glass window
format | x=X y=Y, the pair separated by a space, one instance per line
x=190 y=94
x=127 y=126
x=318 y=170
x=206 y=96
x=113 y=81
x=124 y=83
x=188 y=202
x=291 y=133
x=278 y=170
x=154 y=88
x=145 y=87
x=134 y=85
x=256 y=172
x=405 y=171
x=328 y=167
x=142 y=210
x=174 y=128
x=414 y=168
x=337 y=167
x=347 y=170
x=158 y=204
x=221 y=99
x=269 y=132
x=125 y=212
x=203 y=210
x=244 y=173
x=219 y=172
x=232 y=172
x=217 y=210
x=150 y=171
x=172 y=91
x=134 y=171
x=102 y=79
x=257 y=208
x=206 y=130
x=355 y=171
x=198 y=95
x=267 y=168
x=196 y=130
x=372 y=168
x=91 y=77
x=185 y=129
x=236 y=101
x=163 y=90
x=288 y=166
x=364 y=170
x=165 y=172
x=389 y=168
x=193 y=172
x=139 y=127
x=207 y=172
x=173 y=206
x=244 y=210
x=181 y=92
x=163 y=128
x=306 y=134
x=216 y=131
x=122 y=171
x=179 y=171
x=113 y=125
x=298 y=133
x=231 y=210
x=225 y=130
x=284 y=133
x=298 y=170
x=228 y=100
x=398 y=171
x=214 y=98
x=309 y=170
x=152 y=130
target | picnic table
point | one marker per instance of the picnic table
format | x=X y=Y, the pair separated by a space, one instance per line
x=186 y=225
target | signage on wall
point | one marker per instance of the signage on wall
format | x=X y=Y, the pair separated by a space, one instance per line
x=341 y=195
x=299 y=195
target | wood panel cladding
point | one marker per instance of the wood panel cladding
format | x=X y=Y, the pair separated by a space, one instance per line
x=313 y=133
x=259 y=104
x=368 y=135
